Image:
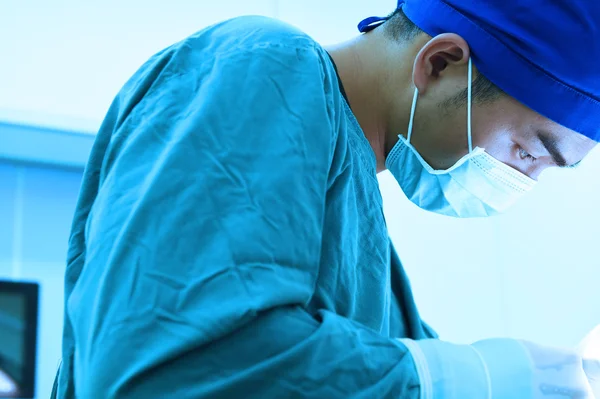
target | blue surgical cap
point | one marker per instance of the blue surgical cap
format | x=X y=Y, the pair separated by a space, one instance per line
x=544 y=53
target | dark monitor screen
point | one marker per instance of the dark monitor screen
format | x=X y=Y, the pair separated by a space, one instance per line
x=18 y=338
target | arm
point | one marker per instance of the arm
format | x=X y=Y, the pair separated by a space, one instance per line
x=203 y=244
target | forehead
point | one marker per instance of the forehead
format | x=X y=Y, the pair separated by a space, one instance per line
x=569 y=140
x=530 y=124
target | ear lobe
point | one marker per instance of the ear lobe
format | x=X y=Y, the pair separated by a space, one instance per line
x=440 y=52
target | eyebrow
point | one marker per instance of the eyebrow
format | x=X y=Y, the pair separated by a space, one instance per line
x=551 y=145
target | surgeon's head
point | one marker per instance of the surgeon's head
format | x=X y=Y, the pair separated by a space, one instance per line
x=467 y=105
x=508 y=130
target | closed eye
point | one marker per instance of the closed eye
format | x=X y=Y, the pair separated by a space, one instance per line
x=524 y=155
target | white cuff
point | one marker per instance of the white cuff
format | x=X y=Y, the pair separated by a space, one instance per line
x=509 y=367
x=491 y=369
x=449 y=371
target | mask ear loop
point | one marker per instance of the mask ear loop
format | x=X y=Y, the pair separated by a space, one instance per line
x=469 y=105
x=412 y=115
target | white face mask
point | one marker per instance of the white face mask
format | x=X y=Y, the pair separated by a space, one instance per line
x=478 y=185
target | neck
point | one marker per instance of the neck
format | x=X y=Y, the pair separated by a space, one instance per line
x=377 y=78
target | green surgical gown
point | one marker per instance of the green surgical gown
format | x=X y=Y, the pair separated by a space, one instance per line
x=229 y=239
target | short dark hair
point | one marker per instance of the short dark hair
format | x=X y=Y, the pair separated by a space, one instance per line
x=399 y=27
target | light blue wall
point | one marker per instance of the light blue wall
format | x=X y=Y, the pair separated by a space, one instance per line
x=36 y=207
x=532 y=273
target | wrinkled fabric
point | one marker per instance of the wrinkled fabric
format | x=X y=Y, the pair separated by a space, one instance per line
x=229 y=239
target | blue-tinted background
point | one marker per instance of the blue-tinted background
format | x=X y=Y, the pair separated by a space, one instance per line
x=532 y=273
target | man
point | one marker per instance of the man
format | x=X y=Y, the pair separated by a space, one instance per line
x=229 y=240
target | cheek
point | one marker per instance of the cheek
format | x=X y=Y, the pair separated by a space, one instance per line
x=441 y=139
x=451 y=143
x=495 y=125
x=454 y=140
x=495 y=137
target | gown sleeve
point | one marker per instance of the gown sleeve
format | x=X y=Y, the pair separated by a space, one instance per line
x=203 y=241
